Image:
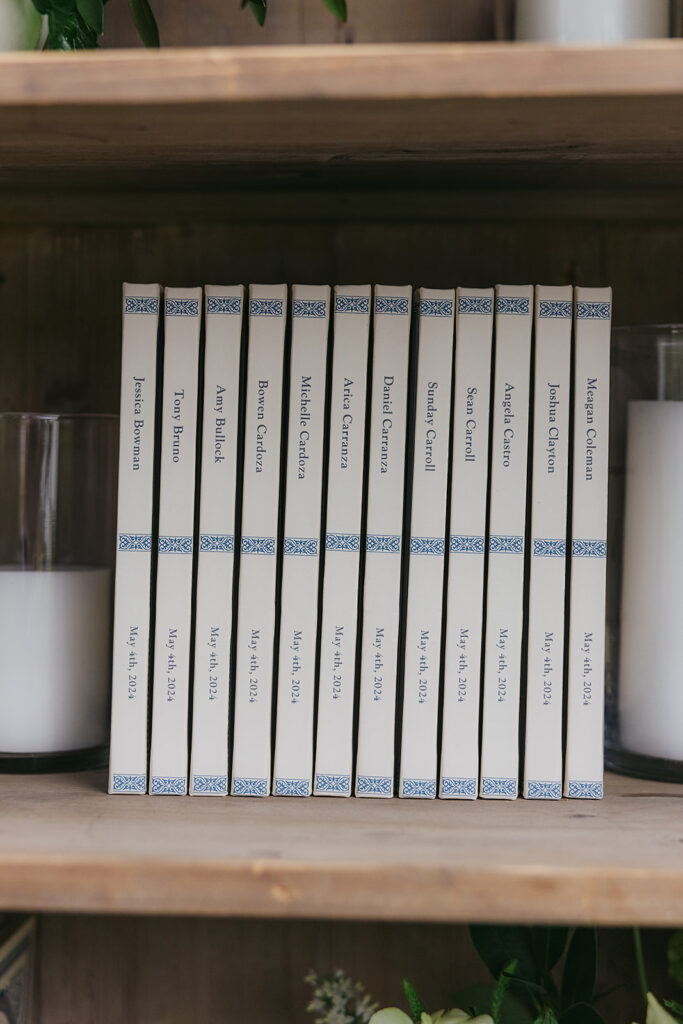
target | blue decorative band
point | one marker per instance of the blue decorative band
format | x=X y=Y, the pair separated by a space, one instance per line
x=351 y=304
x=292 y=787
x=258 y=546
x=504 y=545
x=392 y=305
x=545 y=547
x=147 y=304
x=301 y=546
x=512 y=305
x=342 y=542
x=466 y=788
x=383 y=542
x=463 y=544
x=436 y=307
x=135 y=542
x=589 y=548
x=168 y=785
x=182 y=307
x=427 y=545
x=175 y=545
x=250 y=787
x=482 y=305
x=316 y=308
x=424 y=788
x=224 y=304
x=499 y=787
x=543 y=790
x=593 y=310
x=209 y=784
x=129 y=783
x=217 y=542
x=265 y=307
x=333 y=784
x=555 y=309
x=374 y=785
x=584 y=790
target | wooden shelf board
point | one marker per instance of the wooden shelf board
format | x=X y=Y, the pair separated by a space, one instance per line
x=66 y=846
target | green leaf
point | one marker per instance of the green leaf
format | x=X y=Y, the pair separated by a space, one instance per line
x=499 y=992
x=338 y=8
x=578 y=980
x=548 y=946
x=417 y=1007
x=259 y=8
x=499 y=945
x=675 y=957
x=92 y=12
x=581 y=1013
x=69 y=32
x=145 y=22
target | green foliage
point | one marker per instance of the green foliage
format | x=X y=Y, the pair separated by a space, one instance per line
x=338 y=8
x=675 y=957
x=500 y=991
x=578 y=980
x=77 y=24
x=417 y=1007
x=145 y=22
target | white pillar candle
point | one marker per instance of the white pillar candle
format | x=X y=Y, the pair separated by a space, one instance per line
x=650 y=679
x=591 y=21
x=54 y=659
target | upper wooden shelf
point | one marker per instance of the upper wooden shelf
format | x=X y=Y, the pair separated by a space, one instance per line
x=66 y=846
x=198 y=116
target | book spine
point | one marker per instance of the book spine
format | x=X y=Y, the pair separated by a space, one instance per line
x=507 y=515
x=382 y=585
x=427 y=538
x=132 y=594
x=258 y=547
x=346 y=457
x=293 y=763
x=465 y=589
x=168 y=757
x=586 y=642
x=215 y=558
x=548 y=543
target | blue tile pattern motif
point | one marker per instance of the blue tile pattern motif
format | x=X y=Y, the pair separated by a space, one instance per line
x=427 y=545
x=342 y=542
x=499 y=787
x=555 y=309
x=374 y=785
x=316 y=308
x=593 y=310
x=466 y=788
x=217 y=542
x=168 y=785
x=301 y=546
x=546 y=547
x=135 y=542
x=461 y=543
x=436 y=307
x=265 y=307
x=146 y=304
x=352 y=304
x=423 y=788
x=258 y=546
x=250 y=787
x=384 y=543
x=292 y=787
x=504 y=545
x=175 y=545
x=129 y=784
x=584 y=790
x=224 y=304
x=209 y=784
x=182 y=307
x=512 y=305
x=541 y=790
x=589 y=548
x=481 y=305
x=325 y=783
x=392 y=305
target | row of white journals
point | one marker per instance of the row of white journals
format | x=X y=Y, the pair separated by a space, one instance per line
x=391 y=600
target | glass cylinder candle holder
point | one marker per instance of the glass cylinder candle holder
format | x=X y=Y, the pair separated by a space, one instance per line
x=644 y=696
x=57 y=544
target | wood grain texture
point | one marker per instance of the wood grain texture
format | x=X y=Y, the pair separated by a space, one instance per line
x=65 y=845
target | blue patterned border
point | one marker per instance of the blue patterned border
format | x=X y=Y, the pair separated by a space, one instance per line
x=258 y=546
x=146 y=304
x=374 y=785
x=129 y=783
x=342 y=542
x=546 y=547
x=316 y=308
x=392 y=305
x=512 y=305
x=585 y=790
x=385 y=543
x=301 y=546
x=593 y=310
x=333 y=784
x=182 y=307
x=504 y=545
x=466 y=788
x=217 y=542
x=224 y=304
x=589 y=548
x=481 y=305
x=250 y=787
x=436 y=307
x=265 y=307
x=422 y=788
x=352 y=304
x=175 y=545
x=292 y=787
x=427 y=545
x=135 y=542
x=168 y=785
x=499 y=787
x=460 y=543
x=217 y=784
x=543 y=790
x=555 y=309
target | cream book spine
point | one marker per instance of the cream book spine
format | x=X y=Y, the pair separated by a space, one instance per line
x=427 y=540
x=293 y=762
x=346 y=459
x=168 y=756
x=459 y=779
x=548 y=542
x=132 y=592
x=507 y=521
x=251 y=758
x=586 y=642
x=215 y=559
x=383 y=554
